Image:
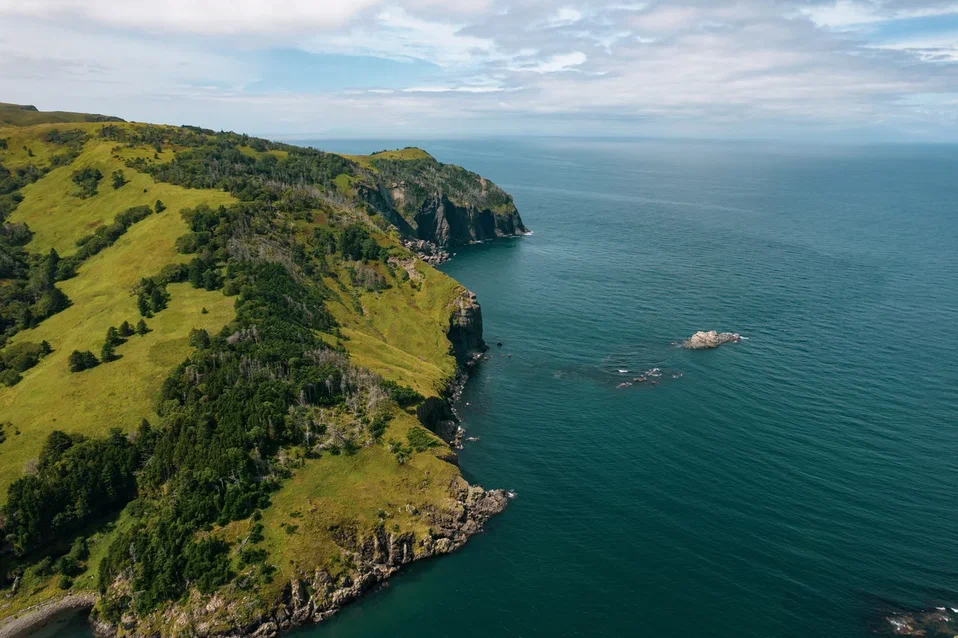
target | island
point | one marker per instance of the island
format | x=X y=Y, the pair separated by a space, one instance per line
x=226 y=367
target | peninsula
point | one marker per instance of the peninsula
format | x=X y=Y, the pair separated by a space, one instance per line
x=225 y=368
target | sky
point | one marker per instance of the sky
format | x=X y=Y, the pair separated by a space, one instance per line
x=804 y=70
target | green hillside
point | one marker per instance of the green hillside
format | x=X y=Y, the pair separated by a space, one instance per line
x=28 y=115
x=211 y=358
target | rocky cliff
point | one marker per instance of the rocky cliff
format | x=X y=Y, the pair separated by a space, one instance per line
x=443 y=204
x=448 y=224
x=465 y=329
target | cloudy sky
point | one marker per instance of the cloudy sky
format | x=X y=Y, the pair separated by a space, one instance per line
x=830 y=70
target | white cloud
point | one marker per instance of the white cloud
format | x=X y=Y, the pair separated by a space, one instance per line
x=843 y=14
x=556 y=63
x=565 y=16
x=397 y=34
x=724 y=66
x=198 y=16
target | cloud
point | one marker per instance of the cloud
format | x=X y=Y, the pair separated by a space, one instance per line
x=708 y=67
x=396 y=34
x=197 y=16
x=556 y=63
x=843 y=14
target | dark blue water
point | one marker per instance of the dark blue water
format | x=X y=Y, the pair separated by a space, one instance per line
x=795 y=484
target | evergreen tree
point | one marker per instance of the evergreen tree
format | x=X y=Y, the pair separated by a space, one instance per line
x=157 y=299
x=108 y=352
x=81 y=360
x=113 y=337
x=159 y=206
x=144 y=306
x=126 y=329
x=141 y=328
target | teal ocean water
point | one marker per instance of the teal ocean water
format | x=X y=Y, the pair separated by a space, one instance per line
x=796 y=484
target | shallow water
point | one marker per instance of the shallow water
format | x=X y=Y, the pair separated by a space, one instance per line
x=794 y=484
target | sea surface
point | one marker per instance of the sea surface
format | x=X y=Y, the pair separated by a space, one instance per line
x=799 y=483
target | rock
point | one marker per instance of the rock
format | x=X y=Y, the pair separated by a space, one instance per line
x=711 y=339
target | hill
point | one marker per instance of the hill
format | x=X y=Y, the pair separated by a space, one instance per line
x=222 y=374
x=28 y=115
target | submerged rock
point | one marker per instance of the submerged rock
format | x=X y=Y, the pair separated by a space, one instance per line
x=711 y=339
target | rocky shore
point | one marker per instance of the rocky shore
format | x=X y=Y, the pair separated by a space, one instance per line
x=314 y=597
x=35 y=618
x=373 y=554
x=427 y=251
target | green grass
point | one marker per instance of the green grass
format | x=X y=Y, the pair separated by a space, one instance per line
x=408 y=154
x=18 y=115
x=351 y=490
x=401 y=333
x=58 y=218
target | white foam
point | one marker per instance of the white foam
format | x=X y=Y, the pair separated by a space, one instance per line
x=622 y=371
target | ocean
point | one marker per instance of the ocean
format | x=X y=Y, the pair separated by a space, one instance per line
x=802 y=482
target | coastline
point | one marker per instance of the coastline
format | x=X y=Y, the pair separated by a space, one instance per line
x=43 y=614
x=377 y=555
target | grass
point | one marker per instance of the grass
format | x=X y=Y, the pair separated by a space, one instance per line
x=58 y=219
x=401 y=331
x=350 y=491
x=408 y=154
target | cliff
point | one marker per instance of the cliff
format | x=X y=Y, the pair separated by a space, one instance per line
x=427 y=200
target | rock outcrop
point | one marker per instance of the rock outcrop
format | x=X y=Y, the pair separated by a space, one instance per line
x=447 y=224
x=711 y=339
x=374 y=555
x=465 y=329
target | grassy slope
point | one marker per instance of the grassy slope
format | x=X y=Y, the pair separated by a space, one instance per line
x=118 y=394
x=398 y=332
x=366 y=161
x=16 y=115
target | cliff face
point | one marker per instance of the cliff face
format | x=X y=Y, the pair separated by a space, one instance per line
x=447 y=224
x=440 y=203
x=465 y=329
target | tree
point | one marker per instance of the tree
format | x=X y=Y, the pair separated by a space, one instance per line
x=82 y=360
x=141 y=328
x=159 y=206
x=126 y=330
x=157 y=299
x=119 y=180
x=144 y=306
x=108 y=352
x=113 y=336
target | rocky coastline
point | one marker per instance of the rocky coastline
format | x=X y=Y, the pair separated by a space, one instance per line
x=314 y=597
x=374 y=555
x=35 y=618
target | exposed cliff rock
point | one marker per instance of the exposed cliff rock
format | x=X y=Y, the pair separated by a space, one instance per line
x=375 y=555
x=447 y=224
x=711 y=339
x=465 y=329
x=443 y=204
